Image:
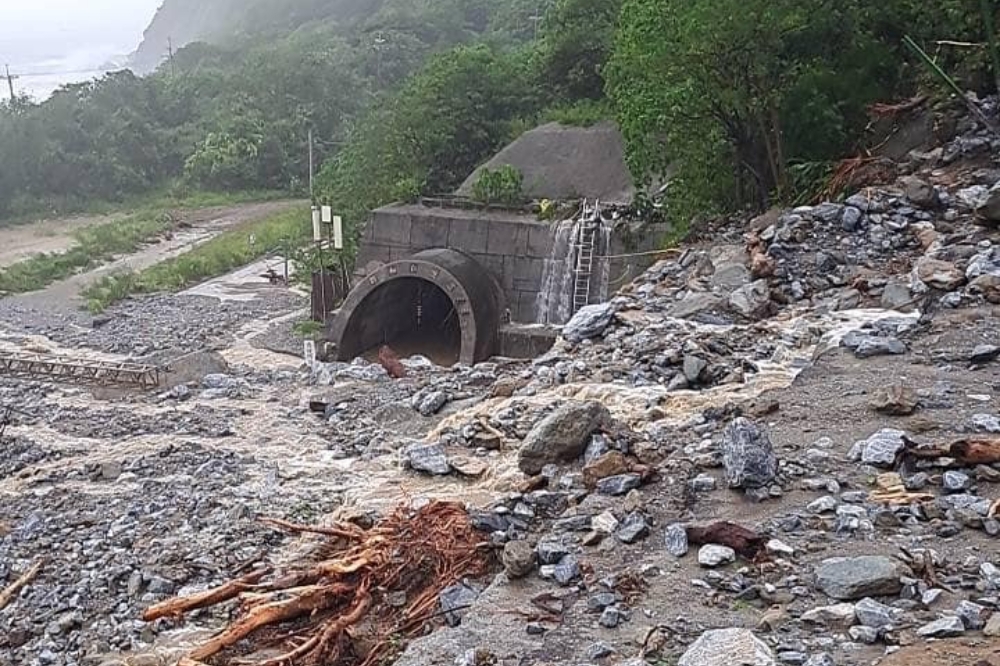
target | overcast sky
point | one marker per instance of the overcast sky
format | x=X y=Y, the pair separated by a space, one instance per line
x=32 y=30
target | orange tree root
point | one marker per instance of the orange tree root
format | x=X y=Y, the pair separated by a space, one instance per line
x=334 y=610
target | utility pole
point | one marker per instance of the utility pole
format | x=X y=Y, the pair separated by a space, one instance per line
x=10 y=81
x=170 y=54
x=536 y=19
x=379 y=41
x=310 y=163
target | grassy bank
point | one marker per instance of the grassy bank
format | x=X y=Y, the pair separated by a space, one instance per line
x=158 y=200
x=94 y=246
x=215 y=257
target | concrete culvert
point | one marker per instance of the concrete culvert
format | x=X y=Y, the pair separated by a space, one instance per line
x=439 y=303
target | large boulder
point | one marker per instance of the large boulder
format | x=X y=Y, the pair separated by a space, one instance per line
x=752 y=300
x=850 y=578
x=939 y=274
x=748 y=455
x=921 y=193
x=728 y=647
x=561 y=436
x=589 y=322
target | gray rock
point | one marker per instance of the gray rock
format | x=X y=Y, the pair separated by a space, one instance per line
x=676 y=540
x=611 y=617
x=703 y=483
x=985 y=423
x=551 y=549
x=599 y=650
x=748 y=455
x=589 y=322
x=792 y=657
x=870 y=346
x=920 y=193
x=838 y=615
x=896 y=295
x=600 y=601
x=862 y=634
x=989 y=211
x=851 y=221
x=728 y=647
x=983 y=354
x=454 y=601
x=693 y=367
x=633 y=528
x=871 y=613
x=567 y=571
x=825 y=504
x=820 y=659
x=880 y=449
x=432 y=403
x=973 y=615
x=427 y=458
x=713 y=555
x=518 y=559
x=849 y=578
x=955 y=482
x=561 y=436
x=618 y=485
x=946 y=627
x=752 y=300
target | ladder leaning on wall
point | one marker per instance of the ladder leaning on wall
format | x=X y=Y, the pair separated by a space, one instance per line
x=586 y=243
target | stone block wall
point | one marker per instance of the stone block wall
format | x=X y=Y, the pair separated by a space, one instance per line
x=514 y=248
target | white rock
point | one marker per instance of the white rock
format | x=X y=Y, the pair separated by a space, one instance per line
x=712 y=555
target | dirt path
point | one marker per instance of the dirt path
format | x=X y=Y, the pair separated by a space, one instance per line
x=22 y=241
x=199 y=226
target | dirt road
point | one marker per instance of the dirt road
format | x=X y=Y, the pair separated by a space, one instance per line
x=20 y=242
x=195 y=228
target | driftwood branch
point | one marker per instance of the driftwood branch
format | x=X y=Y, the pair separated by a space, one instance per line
x=180 y=605
x=14 y=588
x=978 y=450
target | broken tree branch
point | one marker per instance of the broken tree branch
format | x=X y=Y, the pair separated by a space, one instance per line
x=180 y=605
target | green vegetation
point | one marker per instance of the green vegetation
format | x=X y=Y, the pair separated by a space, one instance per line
x=279 y=234
x=744 y=103
x=504 y=186
x=94 y=245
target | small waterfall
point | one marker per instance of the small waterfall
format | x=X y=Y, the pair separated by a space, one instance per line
x=555 y=302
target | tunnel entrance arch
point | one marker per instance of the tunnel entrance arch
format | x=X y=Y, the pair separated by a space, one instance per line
x=440 y=303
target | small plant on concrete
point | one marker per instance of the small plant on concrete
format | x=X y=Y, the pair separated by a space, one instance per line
x=503 y=186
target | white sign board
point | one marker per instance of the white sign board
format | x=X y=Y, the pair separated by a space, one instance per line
x=317 y=227
x=327 y=214
x=338 y=232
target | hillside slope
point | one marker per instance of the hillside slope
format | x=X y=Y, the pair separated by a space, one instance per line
x=181 y=22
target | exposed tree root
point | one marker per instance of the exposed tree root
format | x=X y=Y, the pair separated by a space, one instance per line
x=368 y=591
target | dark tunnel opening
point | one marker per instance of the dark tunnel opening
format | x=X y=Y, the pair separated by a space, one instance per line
x=412 y=316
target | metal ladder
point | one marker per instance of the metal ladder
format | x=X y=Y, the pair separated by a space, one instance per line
x=585 y=260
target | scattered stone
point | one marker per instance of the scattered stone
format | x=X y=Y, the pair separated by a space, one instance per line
x=921 y=193
x=838 y=615
x=955 y=482
x=604 y=523
x=518 y=559
x=712 y=555
x=992 y=628
x=821 y=505
x=676 y=540
x=989 y=212
x=939 y=274
x=619 y=485
x=455 y=601
x=984 y=354
x=748 y=455
x=862 y=634
x=985 y=423
x=896 y=400
x=611 y=617
x=551 y=550
x=599 y=651
x=881 y=449
x=849 y=578
x=432 y=403
x=612 y=463
x=973 y=615
x=703 y=483
x=633 y=528
x=871 y=613
x=427 y=458
x=752 y=300
x=693 y=367
x=561 y=436
x=567 y=571
x=777 y=547
x=726 y=647
x=946 y=627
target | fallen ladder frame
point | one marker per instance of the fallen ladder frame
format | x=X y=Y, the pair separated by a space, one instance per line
x=57 y=369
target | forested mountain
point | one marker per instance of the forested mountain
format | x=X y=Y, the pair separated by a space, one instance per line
x=740 y=97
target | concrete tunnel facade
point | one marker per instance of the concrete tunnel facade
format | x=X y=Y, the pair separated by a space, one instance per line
x=440 y=302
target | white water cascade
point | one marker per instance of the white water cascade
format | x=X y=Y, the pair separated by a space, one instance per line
x=555 y=301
